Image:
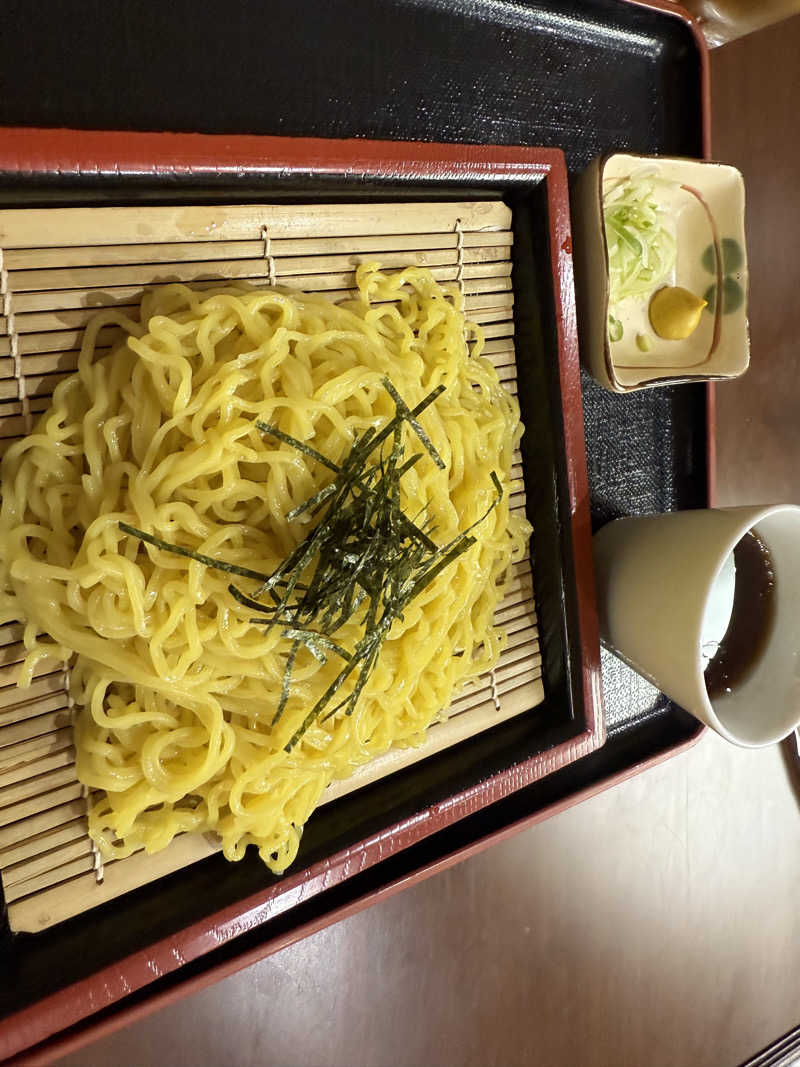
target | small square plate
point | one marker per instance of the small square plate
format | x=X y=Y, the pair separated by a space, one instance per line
x=704 y=203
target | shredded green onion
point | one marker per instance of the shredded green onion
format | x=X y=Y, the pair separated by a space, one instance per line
x=641 y=246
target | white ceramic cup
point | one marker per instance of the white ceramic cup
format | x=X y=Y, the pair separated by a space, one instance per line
x=655 y=576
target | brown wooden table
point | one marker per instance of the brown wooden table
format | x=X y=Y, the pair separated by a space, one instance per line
x=657 y=925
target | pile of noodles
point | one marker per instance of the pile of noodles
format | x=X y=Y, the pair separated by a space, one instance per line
x=175 y=689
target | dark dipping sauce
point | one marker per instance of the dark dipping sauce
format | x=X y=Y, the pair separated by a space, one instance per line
x=752 y=617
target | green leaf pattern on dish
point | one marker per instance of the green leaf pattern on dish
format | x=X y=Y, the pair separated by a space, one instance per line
x=732 y=262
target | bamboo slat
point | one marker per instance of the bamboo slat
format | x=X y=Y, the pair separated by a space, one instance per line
x=108 y=255
x=59 y=267
x=74 y=895
x=11 y=710
x=34 y=718
x=38 y=764
x=45 y=841
x=34 y=322
x=58 y=814
x=17 y=874
x=79 y=227
x=56 y=739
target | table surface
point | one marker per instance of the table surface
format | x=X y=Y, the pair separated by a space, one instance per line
x=686 y=955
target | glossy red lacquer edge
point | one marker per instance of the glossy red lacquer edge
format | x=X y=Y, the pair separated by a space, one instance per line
x=82 y=152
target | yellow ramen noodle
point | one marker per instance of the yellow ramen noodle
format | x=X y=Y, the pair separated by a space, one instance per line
x=175 y=688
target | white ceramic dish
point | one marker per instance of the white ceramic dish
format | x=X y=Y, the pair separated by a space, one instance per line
x=704 y=204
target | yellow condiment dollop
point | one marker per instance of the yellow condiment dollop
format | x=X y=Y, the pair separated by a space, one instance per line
x=675 y=312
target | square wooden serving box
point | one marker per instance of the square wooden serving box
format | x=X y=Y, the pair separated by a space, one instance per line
x=210 y=916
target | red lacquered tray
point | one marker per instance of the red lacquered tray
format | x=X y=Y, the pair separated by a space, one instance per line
x=348 y=838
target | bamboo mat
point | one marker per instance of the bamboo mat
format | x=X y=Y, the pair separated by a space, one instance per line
x=57 y=267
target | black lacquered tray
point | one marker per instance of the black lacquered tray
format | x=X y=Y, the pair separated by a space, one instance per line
x=587 y=77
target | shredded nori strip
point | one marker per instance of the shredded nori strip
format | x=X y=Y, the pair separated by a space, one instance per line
x=364 y=550
x=301 y=446
x=209 y=561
